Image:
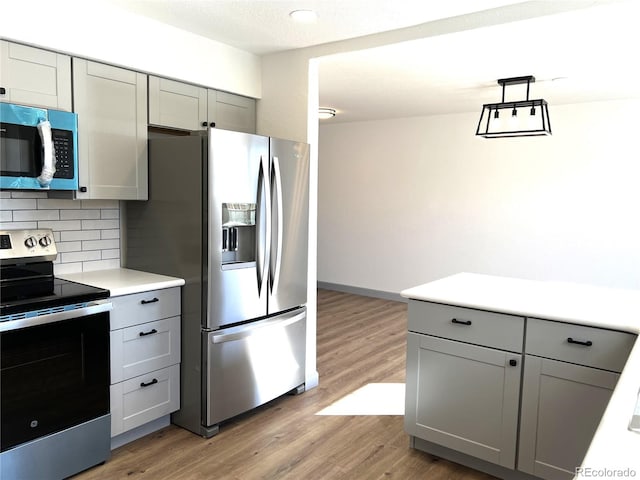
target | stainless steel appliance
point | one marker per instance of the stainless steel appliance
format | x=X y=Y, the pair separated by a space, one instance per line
x=228 y=212
x=38 y=148
x=54 y=364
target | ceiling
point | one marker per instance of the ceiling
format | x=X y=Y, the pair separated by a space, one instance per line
x=583 y=54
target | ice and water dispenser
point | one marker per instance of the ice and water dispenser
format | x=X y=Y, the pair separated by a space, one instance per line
x=238 y=234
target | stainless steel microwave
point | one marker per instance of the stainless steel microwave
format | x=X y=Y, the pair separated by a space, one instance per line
x=38 y=148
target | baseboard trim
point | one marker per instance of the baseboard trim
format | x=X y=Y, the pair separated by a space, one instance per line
x=367 y=292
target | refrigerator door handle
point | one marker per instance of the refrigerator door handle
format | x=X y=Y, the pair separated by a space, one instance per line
x=276 y=259
x=263 y=226
x=244 y=331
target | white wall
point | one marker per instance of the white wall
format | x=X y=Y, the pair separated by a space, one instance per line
x=403 y=202
x=99 y=32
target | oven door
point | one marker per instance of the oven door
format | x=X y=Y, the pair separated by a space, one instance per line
x=54 y=373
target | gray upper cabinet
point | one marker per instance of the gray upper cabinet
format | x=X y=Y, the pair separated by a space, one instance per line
x=189 y=107
x=176 y=104
x=32 y=76
x=111 y=104
x=232 y=112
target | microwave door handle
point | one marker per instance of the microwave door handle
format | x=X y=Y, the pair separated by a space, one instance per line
x=49 y=160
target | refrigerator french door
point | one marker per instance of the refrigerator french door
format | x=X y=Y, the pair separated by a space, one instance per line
x=228 y=212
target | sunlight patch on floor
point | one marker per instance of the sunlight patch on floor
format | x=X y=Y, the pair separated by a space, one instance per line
x=372 y=399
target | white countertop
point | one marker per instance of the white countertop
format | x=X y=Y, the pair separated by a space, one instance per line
x=614 y=446
x=123 y=281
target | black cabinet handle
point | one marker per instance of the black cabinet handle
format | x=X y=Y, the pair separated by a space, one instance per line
x=150 y=332
x=204 y=124
x=152 y=382
x=588 y=343
x=461 y=322
x=513 y=362
x=153 y=300
x=212 y=124
x=3 y=90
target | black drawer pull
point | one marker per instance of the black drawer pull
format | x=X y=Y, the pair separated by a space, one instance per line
x=152 y=382
x=153 y=300
x=588 y=343
x=3 y=90
x=461 y=322
x=150 y=332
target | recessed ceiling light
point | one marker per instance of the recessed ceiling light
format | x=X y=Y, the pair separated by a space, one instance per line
x=326 y=113
x=304 y=16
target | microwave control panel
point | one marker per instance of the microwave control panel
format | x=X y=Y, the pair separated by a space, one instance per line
x=63 y=147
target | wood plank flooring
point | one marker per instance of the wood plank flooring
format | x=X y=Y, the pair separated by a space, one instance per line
x=360 y=340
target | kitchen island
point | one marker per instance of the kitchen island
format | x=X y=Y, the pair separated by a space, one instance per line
x=614 y=449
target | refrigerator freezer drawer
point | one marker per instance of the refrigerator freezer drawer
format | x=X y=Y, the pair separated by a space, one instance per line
x=252 y=364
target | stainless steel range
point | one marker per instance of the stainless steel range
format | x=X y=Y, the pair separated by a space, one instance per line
x=54 y=364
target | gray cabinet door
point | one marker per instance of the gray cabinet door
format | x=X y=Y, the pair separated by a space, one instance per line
x=562 y=404
x=177 y=104
x=32 y=76
x=232 y=112
x=464 y=397
x=111 y=104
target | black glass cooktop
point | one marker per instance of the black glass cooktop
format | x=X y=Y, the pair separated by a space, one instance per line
x=35 y=294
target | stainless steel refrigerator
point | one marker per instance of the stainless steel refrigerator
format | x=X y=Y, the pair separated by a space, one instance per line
x=228 y=212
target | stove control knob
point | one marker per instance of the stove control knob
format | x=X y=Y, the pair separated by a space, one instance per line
x=45 y=241
x=30 y=242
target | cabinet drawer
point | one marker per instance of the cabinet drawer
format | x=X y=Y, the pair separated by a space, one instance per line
x=478 y=327
x=597 y=347
x=134 y=404
x=144 y=348
x=143 y=307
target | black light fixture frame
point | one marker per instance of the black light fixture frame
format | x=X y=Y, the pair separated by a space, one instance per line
x=493 y=110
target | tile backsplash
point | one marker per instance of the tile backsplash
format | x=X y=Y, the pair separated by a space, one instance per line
x=86 y=232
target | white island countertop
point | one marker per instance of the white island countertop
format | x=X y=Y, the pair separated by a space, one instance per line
x=614 y=449
x=123 y=281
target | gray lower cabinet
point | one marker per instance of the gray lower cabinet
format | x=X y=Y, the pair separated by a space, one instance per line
x=464 y=397
x=463 y=388
x=185 y=106
x=562 y=404
x=569 y=375
x=111 y=104
x=33 y=76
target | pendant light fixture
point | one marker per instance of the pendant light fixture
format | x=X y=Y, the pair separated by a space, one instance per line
x=521 y=118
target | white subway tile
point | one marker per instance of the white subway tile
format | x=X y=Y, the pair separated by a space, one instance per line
x=79 y=256
x=68 y=246
x=100 y=244
x=60 y=224
x=57 y=203
x=113 y=253
x=12 y=225
x=100 y=224
x=18 y=204
x=31 y=215
x=97 y=204
x=109 y=213
x=80 y=235
x=78 y=214
x=107 y=234
x=5 y=195
x=62 y=268
x=6 y=215
x=100 y=265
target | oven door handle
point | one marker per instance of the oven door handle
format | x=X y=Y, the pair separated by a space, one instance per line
x=90 y=309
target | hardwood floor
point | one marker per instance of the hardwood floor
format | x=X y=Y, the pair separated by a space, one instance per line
x=360 y=340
